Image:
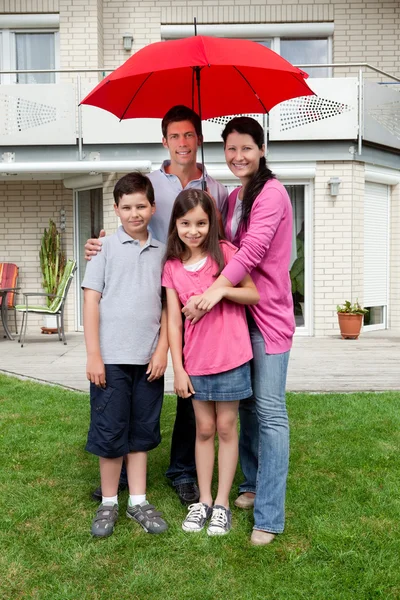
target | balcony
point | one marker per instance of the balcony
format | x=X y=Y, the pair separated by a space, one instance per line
x=49 y=115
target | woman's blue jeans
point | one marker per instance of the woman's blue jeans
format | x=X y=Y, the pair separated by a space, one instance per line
x=264 y=436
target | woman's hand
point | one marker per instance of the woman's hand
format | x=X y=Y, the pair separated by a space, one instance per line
x=95 y=370
x=157 y=365
x=93 y=246
x=182 y=385
x=209 y=299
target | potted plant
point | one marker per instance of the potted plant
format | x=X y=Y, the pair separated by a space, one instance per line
x=52 y=264
x=350 y=318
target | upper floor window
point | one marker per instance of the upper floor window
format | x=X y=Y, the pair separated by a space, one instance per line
x=34 y=51
x=299 y=43
x=29 y=43
x=303 y=52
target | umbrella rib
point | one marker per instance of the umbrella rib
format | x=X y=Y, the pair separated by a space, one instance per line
x=135 y=94
x=252 y=89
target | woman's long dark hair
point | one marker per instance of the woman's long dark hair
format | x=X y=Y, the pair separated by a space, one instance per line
x=185 y=201
x=249 y=126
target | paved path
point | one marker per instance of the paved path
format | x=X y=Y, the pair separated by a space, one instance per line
x=316 y=364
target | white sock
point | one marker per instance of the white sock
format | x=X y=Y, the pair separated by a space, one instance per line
x=136 y=499
x=109 y=500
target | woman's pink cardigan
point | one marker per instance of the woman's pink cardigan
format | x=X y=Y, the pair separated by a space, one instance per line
x=264 y=252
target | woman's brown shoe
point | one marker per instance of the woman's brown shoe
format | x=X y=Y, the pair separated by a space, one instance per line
x=261 y=538
x=244 y=501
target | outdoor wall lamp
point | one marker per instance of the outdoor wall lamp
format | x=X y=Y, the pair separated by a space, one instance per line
x=127 y=39
x=334 y=183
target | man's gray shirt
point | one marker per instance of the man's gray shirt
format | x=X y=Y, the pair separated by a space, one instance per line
x=167 y=187
x=128 y=276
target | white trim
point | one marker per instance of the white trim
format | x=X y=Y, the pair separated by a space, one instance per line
x=41 y=20
x=308 y=328
x=81 y=182
x=250 y=30
x=382 y=175
x=83 y=166
x=95 y=185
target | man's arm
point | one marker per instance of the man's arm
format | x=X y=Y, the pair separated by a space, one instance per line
x=95 y=370
x=93 y=245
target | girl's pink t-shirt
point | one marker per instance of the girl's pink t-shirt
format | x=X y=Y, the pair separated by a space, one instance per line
x=220 y=341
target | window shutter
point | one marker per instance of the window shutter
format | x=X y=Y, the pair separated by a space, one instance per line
x=376 y=244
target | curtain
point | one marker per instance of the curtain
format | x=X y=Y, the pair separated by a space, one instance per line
x=35 y=51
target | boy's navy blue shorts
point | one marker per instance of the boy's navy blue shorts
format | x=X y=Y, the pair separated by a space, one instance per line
x=125 y=415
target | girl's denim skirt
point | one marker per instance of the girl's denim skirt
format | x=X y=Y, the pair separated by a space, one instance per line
x=222 y=387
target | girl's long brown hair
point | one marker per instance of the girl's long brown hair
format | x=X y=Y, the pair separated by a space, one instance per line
x=185 y=201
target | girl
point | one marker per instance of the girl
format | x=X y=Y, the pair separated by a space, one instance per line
x=215 y=369
x=259 y=221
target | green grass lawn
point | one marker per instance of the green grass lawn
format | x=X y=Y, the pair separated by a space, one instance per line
x=342 y=538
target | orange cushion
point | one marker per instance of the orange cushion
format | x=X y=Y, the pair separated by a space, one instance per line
x=8 y=279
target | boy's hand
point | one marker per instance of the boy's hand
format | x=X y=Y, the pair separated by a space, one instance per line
x=93 y=246
x=182 y=385
x=157 y=365
x=192 y=313
x=95 y=371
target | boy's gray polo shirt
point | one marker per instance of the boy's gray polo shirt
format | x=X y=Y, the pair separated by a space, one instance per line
x=167 y=187
x=129 y=278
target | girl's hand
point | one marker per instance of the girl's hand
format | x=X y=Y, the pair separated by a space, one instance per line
x=95 y=371
x=209 y=299
x=157 y=365
x=192 y=313
x=182 y=385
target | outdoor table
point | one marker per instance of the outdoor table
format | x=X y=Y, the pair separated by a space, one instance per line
x=4 y=310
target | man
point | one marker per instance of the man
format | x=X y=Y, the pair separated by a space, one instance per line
x=181 y=130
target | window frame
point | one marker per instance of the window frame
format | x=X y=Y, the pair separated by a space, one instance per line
x=8 y=52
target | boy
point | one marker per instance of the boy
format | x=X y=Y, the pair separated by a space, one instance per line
x=126 y=344
x=181 y=128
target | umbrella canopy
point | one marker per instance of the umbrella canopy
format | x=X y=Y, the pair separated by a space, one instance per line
x=214 y=76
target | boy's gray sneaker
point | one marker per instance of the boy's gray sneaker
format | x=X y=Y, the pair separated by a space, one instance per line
x=147 y=516
x=197 y=517
x=221 y=521
x=104 y=521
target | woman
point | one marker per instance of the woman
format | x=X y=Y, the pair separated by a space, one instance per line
x=259 y=222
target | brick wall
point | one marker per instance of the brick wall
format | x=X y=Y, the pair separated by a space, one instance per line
x=110 y=219
x=338 y=242
x=29 y=6
x=25 y=210
x=92 y=30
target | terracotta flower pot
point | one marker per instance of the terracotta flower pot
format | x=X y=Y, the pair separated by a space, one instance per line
x=350 y=325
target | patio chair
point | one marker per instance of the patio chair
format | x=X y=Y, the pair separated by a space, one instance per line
x=9 y=279
x=56 y=308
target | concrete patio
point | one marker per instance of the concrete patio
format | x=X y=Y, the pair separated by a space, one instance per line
x=330 y=364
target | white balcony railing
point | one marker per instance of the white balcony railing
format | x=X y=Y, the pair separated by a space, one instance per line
x=344 y=108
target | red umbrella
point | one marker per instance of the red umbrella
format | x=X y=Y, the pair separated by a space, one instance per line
x=237 y=76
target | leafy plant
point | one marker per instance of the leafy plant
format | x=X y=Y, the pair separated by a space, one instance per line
x=353 y=309
x=52 y=260
x=297 y=270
